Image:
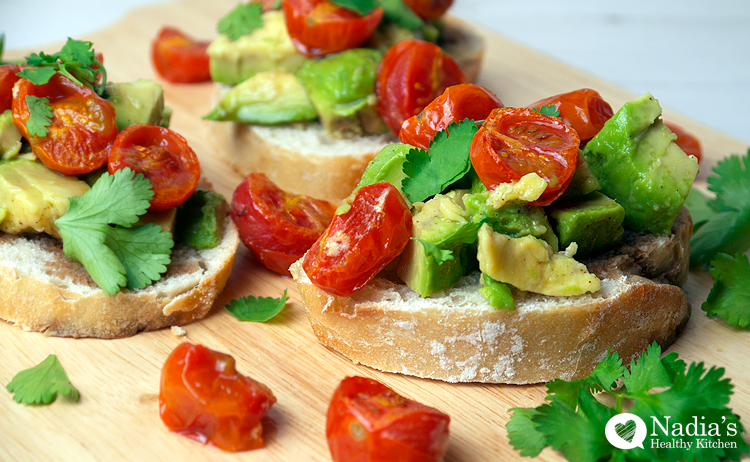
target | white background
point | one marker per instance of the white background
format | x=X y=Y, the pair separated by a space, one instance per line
x=693 y=55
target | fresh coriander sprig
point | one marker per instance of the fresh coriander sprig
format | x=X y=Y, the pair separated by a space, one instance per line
x=242 y=20
x=730 y=295
x=76 y=60
x=42 y=383
x=361 y=7
x=40 y=115
x=256 y=309
x=550 y=110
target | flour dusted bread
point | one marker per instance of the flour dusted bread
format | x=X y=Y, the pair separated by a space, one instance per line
x=44 y=291
x=457 y=337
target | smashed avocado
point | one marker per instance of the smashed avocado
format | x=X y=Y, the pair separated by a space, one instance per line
x=138 y=102
x=200 y=220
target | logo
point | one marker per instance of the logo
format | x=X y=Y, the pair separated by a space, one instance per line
x=626 y=431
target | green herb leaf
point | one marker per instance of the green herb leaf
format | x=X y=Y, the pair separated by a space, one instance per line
x=361 y=7
x=700 y=212
x=242 y=20
x=38 y=75
x=429 y=173
x=730 y=295
x=76 y=60
x=523 y=434
x=550 y=110
x=434 y=251
x=40 y=116
x=96 y=231
x=42 y=383
x=256 y=309
x=397 y=12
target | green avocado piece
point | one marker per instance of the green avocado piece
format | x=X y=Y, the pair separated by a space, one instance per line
x=138 y=102
x=201 y=219
x=10 y=137
x=266 y=48
x=342 y=89
x=387 y=165
x=583 y=182
x=498 y=294
x=639 y=165
x=594 y=223
x=271 y=97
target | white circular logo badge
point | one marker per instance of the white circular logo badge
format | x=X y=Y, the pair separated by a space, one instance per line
x=626 y=431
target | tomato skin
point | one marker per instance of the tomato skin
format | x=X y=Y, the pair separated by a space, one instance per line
x=277 y=226
x=369 y=422
x=584 y=110
x=203 y=397
x=686 y=141
x=513 y=142
x=319 y=27
x=82 y=126
x=8 y=78
x=429 y=9
x=361 y=242
x=163 y=156
x=179 y=58
x=458 y=102
x=412 y=74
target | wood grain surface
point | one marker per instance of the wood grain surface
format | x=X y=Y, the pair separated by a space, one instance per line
x=117 y=417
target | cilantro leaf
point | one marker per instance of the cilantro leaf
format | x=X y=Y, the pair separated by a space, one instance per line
x=256 y=309
x=76 y=60
x=429 y=173
x=433 y=250
x=42 y=383
x=40 y=115
x=523 y=434
x=397 y=12
x=361 y=7
x=646 y=373
x=242 y=20
x=697 y=204
x=37 y=75
x=96 y=232
x=730 y=295
x=550 y=110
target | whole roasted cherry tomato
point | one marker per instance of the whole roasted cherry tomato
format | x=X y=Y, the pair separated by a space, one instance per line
x=360 y=242
x=277 y=226
x=180 y=58
x=584 y=110
x=412 y=74
x=163 y=157
x=203 y=397
x=686 y=141
x=457 y=103
x=513 y=142
x=369 y=422
x=428 y=9
x=8 y=78
x=81 y=129
x=319 y=27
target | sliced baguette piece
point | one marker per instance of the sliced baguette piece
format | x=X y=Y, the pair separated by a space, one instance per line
x=456 y=336
x=45 y=291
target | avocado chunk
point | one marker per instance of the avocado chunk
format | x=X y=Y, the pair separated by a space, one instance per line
x=165 y=219
x=529 y=263
x=442 y=225
x=638 y=164
x=342 y=89
x=594 y=223
x=201 y=219
x=10 y=137
x=583 y=182
x=497 y=294
x=138 y=102
x=271 y=97
x=266 y=48
x=387 y=165
x=34 y=196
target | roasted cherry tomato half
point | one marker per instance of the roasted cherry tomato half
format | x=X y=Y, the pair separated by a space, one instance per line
x=584 y=110
x=180 y=58
x=277 y=226
x=428 y=9
x=369 y=422
x=163 y=157
x=81 y=130
x=360 y=242
x=459 y=102
x=203 y=397
x=412 y=74
x=319 y=27
x=8 y=78
x=686 y=141
x=513 y=142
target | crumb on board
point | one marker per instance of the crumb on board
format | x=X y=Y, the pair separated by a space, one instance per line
x=178 y=331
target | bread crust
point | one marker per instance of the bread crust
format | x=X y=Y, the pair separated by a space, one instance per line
x=456 y=336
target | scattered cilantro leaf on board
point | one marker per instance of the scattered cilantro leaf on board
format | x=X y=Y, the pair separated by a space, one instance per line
x=573 y=420
x=40 y=115
x=42 y=383
x=256 y=309
x=550 y=110
x=242 y=20
x=361 y=7
x=397 y=12
x=700 y=212
x=76 y=60
x=429 y=173
x=96 y=231
x=730 y=295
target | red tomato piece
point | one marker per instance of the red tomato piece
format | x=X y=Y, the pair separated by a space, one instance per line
x=8 y=78
x=429 y=9
x=203 y=397
x=412 y=74
x=513 y=142
x=686 y=141
x=81 y=130
x=319 y=27
x=277 y=226
x=163 y=156
x=180 y=58
x=361 y=242
x=584 y=110
x=458 y=102
x=369 y=422
x=268 y=5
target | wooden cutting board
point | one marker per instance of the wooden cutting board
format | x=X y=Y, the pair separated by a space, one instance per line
x=117 y=417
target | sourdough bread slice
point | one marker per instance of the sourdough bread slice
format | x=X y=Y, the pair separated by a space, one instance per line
x=456 y=336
